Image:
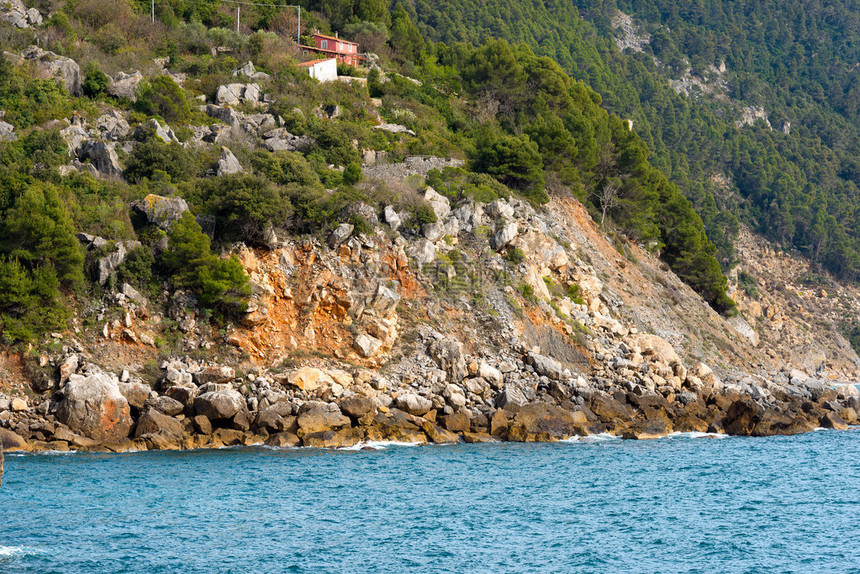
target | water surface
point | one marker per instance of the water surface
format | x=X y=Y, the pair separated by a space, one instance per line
x=680 y=504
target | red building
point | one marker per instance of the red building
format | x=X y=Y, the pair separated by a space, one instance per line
x=345 y=51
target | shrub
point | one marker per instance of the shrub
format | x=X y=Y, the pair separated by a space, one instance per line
x=95 y=81
x=352 y=174
x=162 y=96
x=155 y=155
x=246 y=203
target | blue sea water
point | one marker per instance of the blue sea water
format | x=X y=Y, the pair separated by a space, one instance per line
x=679 y=504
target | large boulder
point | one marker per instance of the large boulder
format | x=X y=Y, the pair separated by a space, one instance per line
x=165 y=405
x=228 y=163
x=154 y=422
x=93 y=406
x=108 y=264
x=309 y=379
x=448 y=354
x=161 y=211
x=276 y=418
x=657 y=349
x=546 y=366
x=11 y=441
x=102 y=157
x=124 y=85
x=414 y=404
x=135 y=393
x=357 y=406
x=7 y=132
x=217 y=405
x=438 y=203
x=318 y=420
x=50 y=65
x=218 y=375
x=542 y=422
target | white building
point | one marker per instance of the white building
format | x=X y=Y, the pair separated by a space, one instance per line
x=321 y=70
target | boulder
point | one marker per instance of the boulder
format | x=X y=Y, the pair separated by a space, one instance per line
x=7 y=132
x=645 y=430
x=656 y=348
x=542 y=422
x=284 y=439
x=439 y=435
x=135 y=393
x=229 y=94
x=218 y=375
x=546 y=366
x=490 y=374
x=161 y=211
x=11 y=441
x=183 y=394
x=228 y=163
x=504 y=235
x=511 y=395
x=124 y=85
x=457 y=422
x=396 y=426
x=108 y=264
x=357 y=406
x=18 y=405
x=165 y=405
x=341 y=438
x=276 y=418
x=455 y=396
x=113 y=126
x=50 y=65
x=153 y=128
x=438 y=203
x=216 y=405
x=155 y=422
x=249 y=71
x=93 y=406
x=392 y=218
x=832 y=420
x=366 y=345
x=309 y=379
x=339 y=235
x=319 y=419
x=102 y=157
x=74 y=136
x=422 y=251
x=448 y=354
x=414 y=404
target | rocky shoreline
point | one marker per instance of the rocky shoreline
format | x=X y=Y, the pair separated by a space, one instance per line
x=473 y=400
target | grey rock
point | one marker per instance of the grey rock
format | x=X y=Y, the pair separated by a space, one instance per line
x=394 y=128
x=14 y=12
x=414 y=404
x=228 y=163
x=339 y=235
x=51 y=65
x=229 y=94
x=135 y=393
x=448 y=354
x=165 y=405
x=102 y=156
x=219 y=404
x=7 y=132
x=392 y=218
x=113 y=126
x=74 y=136
x=511 y=395
x=161 y=211
x=155 y=422
x=124 y=85
x=366 y=345
x=546 y=366
x=108 y=264
x=249 y=71
x=422 y=251
x=93 y=406
x=438 y=203
x=133 y=295
x=503 y=236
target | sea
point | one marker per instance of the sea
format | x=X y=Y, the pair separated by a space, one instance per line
x=690 y=503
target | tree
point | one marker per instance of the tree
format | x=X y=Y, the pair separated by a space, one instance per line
x=39 y=233
x=246 y=203
x=607 y=197
x=162 y=96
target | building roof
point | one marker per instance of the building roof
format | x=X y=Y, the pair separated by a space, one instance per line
x=313 y=62
x=334 y=38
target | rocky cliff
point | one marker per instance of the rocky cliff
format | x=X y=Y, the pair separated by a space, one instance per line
x=499 y=321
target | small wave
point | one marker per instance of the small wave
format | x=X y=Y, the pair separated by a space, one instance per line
x=696 y=434
x=12 y=551
x=378 y=445
x=600 y=437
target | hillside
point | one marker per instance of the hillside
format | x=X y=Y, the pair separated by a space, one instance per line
x=201 y=245
x=728 y=91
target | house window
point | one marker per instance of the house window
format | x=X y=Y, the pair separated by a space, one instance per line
x=324 y=44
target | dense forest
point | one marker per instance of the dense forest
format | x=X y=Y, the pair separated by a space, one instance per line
x=798 y=188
